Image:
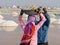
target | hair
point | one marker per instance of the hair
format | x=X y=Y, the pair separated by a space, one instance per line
x=28 y=28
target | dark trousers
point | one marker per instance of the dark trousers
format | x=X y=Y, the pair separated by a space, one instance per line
x=43 y=43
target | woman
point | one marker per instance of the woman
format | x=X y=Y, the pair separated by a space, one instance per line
x=30 y=29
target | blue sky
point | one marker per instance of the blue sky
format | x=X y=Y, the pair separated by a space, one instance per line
x=50 y=3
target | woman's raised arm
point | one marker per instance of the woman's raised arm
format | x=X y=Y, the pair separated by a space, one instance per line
x=21 y=21
x=43 y=19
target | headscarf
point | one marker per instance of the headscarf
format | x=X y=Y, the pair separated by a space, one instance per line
x=31 y=18
x=28 y=27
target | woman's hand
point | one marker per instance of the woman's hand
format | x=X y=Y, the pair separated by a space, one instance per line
x=20 y=20
x=42 y=17
x=20 y=16
x=21 y=13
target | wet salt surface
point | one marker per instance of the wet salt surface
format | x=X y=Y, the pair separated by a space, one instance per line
x=53 y=35
x=14 y=37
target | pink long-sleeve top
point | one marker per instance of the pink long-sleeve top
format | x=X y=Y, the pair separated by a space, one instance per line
x=34 y=37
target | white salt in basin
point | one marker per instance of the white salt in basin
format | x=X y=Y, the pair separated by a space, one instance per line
x=1 y=22
x=14 y=14
x=52 y=20
x=1 y=17
x=51 y=15
x=57 y=22
x=9 y=25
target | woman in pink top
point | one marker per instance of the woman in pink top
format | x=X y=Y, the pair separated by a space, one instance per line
x=30 y=29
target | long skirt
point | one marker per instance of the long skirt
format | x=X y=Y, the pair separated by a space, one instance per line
x=25 y=43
